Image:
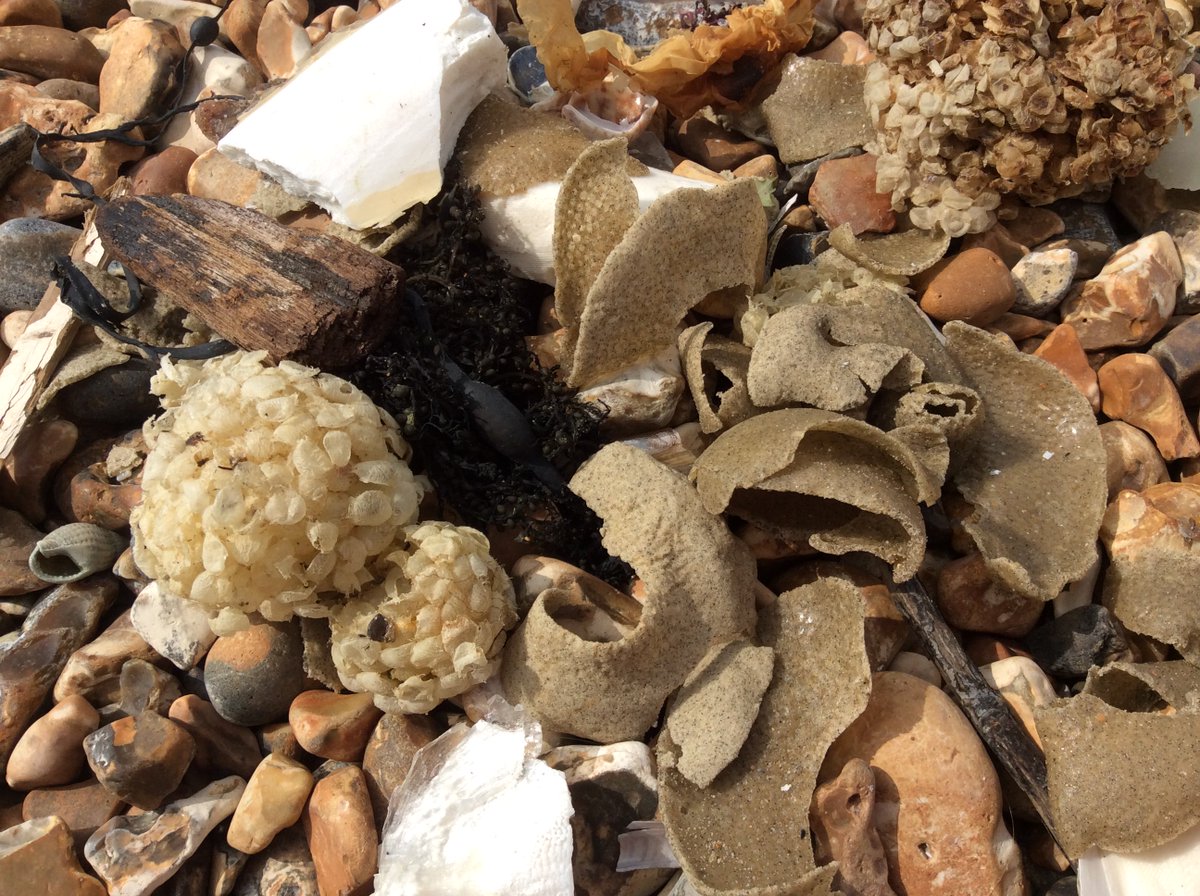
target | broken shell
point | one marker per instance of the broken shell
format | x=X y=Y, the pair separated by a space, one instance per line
x=74 y=552
x=610 y=111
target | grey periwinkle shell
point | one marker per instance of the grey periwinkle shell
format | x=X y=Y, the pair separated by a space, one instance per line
x=74 y=552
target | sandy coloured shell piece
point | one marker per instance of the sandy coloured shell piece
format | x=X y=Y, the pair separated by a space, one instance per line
x=1098 y=796
x=1038 y=438
x=699 y=582
x=814 y=476
x=821 y=683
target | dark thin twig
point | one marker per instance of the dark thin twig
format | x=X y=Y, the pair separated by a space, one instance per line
x=986 y=709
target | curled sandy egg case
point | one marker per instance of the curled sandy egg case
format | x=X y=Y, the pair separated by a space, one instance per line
x=266 y=486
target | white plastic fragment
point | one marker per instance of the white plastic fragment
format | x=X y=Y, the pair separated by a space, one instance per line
x=1176 y=167
x=1167 y=870
x=365 y=128
x=479 y=813
x=520 y=228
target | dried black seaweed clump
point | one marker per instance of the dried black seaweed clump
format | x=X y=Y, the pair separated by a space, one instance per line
x=456 y=362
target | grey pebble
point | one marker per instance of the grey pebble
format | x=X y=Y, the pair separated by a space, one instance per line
x=27 y=250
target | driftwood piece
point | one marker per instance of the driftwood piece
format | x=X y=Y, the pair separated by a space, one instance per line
x=986 y=709
x=303 y=296
x=36 y=354
x=15 y=144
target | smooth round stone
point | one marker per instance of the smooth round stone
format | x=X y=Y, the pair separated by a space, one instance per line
x=30 y=12
x=1131 y=460
x=253 y=675
x=78 y=14
x=46 y=52
x=163 y=173
x=974 y=286
x=221 y=746
x=274 y=800
x=27 y=250
x=334 y=726
x=115 y=396
x=938 y=799
x=843 y=192
x=66 y=89
x=50 y=752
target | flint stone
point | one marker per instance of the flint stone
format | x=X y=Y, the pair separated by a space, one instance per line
x=389 y=755
x=114 y=396
x=84 y=807
x=30 y=12
x=17 y=539
x=220 y=745
x=1179 y=354
x=177 y=628
x=1135 y=388
x=274 y=800
x=1131 y=299
x=26 y=474
x=1067 y=647
x=37 y=857
x=610 y=786
x=1087 y=221
x=1043 y=279
x=46 y=52
x=340 y=828
x=94 y=670
x=844 y=831
x=50 y=752
x=141 y=758
x=1183 y=226
x=227 y=864
x=1131 y=460
x=134 y=854
x=145 y=687
x=253 y=675
x=27 y=250
x=334 y=726
x=29 y=663
x=66 y=89
x=285 y=868
x=141 y=67
x=77 y=14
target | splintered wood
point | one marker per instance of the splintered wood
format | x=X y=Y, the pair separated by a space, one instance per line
x=299 y=295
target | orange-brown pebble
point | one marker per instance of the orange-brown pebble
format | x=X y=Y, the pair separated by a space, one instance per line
x=759 y=166
x=1131 y=460
x=333 y=726
x=974 y=286
x=163 y=173
x=30 y=12
x=843 y=192
x=1134 y=388
x=50 y=752
x=971 y=601
x=996 y=239
x=340 y=827
x=1062 y=349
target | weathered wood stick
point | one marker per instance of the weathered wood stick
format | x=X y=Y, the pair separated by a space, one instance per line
x=299 y=295
x=36 y=353
x=986 y=709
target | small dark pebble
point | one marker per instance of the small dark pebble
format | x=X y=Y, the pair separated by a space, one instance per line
x=1070 y=645
x=117 y=396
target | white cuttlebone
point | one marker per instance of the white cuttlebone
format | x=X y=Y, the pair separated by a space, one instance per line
x=479 y=814
x=366 y=127
x=520 y=228
x=1166 y=870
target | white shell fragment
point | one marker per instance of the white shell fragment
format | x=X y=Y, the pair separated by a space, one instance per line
x=479 y=814
x=1167 y=870
x=365 y=128
x=520 y=228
